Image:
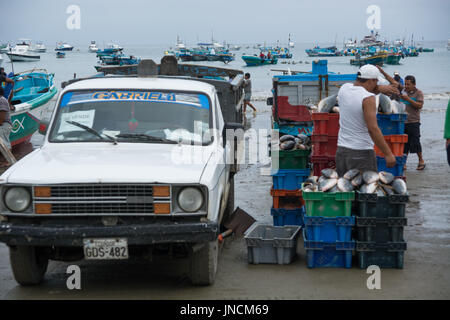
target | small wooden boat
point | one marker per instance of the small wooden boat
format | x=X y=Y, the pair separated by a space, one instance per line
x=60 y=54
x=253 y=61
x=31 y=92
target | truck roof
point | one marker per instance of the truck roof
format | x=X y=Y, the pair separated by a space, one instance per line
x=151 y=83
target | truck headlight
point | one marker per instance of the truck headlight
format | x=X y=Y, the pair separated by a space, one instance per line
x=17 y=199
x=190 y=199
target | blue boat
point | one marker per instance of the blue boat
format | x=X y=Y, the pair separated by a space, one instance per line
x=60 y=54
x=323 y=52
x=63 y=47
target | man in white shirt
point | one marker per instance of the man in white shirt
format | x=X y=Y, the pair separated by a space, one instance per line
x=358 y=123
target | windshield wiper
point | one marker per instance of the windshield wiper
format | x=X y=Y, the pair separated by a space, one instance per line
x=94 y=132
x=144 y=137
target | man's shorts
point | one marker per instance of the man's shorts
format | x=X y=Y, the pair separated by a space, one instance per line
x=347 y=159
x=5 y=130
x=413 y=131
x=247 y=96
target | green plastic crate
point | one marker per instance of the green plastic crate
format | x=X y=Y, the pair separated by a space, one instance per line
x=325 y=204
x=292 y=159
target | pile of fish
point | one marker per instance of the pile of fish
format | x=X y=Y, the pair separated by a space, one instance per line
x=384 y=104
x=299 y=142
x=382 y=183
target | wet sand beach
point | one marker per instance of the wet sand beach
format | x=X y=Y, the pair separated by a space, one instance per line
x=425 y=274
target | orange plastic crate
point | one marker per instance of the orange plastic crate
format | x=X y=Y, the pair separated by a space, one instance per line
x=396 y=143
x=287 y=199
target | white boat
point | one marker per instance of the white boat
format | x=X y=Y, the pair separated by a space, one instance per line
x=398 y=43
x=350 y=44
x=93 y=47
x=291 y=43
x=114 y=47
x=63 y=47
x=4 y=48
x=38 y=47
x=21 y=52
x=180 y=45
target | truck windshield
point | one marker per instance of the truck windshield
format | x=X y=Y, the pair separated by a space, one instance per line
x=132 y=116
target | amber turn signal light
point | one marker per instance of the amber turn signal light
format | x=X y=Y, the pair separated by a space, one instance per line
x=42 y=192
x=162 y=208
x=161 y=191
x=43 y=208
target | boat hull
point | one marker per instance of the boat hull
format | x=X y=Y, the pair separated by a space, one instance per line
x=392 y=59
x=253 y=61
x=378 y=60
x=23 y=57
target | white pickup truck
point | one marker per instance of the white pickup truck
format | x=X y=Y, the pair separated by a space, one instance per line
x=114 y=178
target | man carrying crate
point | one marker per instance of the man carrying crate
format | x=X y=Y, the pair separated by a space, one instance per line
x=358 y=123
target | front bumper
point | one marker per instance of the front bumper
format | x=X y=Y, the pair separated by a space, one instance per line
x=72 y=236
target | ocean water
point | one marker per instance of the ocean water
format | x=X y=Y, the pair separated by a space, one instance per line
x=432 y=70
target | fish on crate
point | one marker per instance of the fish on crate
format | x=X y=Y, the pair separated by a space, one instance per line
x=329 y=104
x=387 y=105
x=299 y=142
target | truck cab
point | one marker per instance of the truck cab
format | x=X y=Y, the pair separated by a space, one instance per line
x=129 y=164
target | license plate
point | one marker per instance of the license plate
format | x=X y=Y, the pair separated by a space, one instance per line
x=105 y=249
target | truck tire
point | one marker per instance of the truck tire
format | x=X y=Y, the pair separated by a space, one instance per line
x=28 y=264
x=203 y=264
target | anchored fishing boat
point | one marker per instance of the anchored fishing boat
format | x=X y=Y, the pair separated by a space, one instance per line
x=31 y=92
x=93 y=47
x=60 y=54
x=375 y=60
x=392 y=58
x=21 y=52
x=63 y=47
x=253 y=61
x=38 y=47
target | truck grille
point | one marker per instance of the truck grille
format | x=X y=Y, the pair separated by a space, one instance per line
x=101 y=208
x=92 y=191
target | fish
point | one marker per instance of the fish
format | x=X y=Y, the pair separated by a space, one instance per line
x=321 y=179
x=286 y=137
x=287 y=145
x=327 y=184
x=380 y=192
x=312 y=179
x=368 y=188
x=349 y=175
x=298 y=141
x=399 y=186
x=302 y=136
x=384 y=104
x=327 y=104
x=334 y=189
x=357 y=181
x=388 y=190
x=301 y=147
x=335 y=110
x=386 y=177
x=400 y=106
x=309 y=186
x=370 y=177
x=330 y=173
x=344 y=185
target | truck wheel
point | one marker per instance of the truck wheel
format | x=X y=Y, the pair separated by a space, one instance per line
x=229 y=209
x=28 y=264
x=204 y=262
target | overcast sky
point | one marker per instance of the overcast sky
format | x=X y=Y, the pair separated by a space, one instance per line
x=234 y=21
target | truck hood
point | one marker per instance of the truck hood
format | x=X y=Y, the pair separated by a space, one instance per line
x=108 y=163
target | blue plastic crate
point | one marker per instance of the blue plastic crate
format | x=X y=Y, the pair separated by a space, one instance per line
x=329 y=229
x=289 y=179
x=321 y=254
x=392 y=123
x=288 y=217
x=306 y=128
x=397 y=170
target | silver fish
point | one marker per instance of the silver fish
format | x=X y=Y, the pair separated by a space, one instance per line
x=380 y=192
x=384 y=104
x=330 y=173
x=298 y=140
x=312 y=179
x=327 y=184
x=399 y=186
x=370 y=177
x=368 y=188
x=302 y=136
x=301 y=147
x=325 y=105
x=334 y=189
x=357 y=181
x=321 y=179
x=349 y=175
x=344 y=185
x=388 y=190
x=286 y=137
x=335 y=110
x=386 y=177
x=287 y=145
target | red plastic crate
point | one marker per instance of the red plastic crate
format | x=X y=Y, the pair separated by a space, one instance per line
x=287 y=199
x=324 y=145
x=325 y=123
x=396 y=143
x=322 y=162
x=286 y=111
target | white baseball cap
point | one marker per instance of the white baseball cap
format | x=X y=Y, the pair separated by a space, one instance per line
x=369 y=71
x=396 y=72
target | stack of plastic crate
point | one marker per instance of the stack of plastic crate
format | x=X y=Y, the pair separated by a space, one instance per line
x=328 y=229
x=393 y=128
x=324 y=139
x=290 y=168
x=380 y=222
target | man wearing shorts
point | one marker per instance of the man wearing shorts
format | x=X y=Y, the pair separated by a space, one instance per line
x=248 y=93
x=413 y=100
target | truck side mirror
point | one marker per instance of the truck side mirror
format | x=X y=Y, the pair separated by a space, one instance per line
x=43 y=126
x=269 y=101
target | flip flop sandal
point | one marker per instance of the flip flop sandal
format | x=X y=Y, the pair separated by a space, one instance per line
x=421 y=166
